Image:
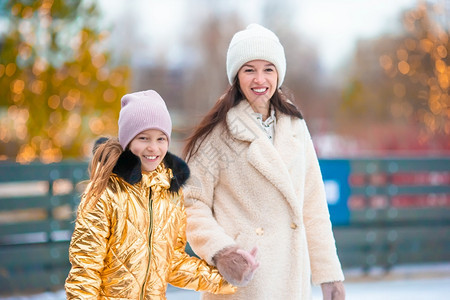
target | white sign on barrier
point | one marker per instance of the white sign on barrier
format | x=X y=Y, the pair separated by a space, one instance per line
x=332 y=191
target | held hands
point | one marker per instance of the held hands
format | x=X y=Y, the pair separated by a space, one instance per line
x=333 y=290
x=236 y=265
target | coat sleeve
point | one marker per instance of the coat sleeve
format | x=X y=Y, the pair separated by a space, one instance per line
x=192 y=272
x=205 y=235
x=87 y=251
x=325 y=265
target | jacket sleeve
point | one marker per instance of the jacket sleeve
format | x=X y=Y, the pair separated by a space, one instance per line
x=194 y=273
x=325 y=265
x=87 y=251
x=205 y=235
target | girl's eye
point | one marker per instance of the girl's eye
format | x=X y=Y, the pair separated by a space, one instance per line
x=248 y=70
x=269 y=70
x=162 y=139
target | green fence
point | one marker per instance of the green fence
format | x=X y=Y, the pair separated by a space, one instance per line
x=399 y=214
x=37 y=204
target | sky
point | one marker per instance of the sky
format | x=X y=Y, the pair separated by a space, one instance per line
x=333 y=26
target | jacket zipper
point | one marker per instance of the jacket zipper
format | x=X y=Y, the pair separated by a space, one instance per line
x=150 y=209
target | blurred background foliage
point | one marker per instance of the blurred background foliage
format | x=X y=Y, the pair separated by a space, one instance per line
x=63 y=72
x=57 y=86
x=406 y=96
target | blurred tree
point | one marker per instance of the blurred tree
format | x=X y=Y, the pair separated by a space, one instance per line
x=206 y=79
x=399 y=86
x=58 y=87
x=420 y=71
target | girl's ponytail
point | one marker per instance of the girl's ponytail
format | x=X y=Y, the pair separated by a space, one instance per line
x=100 y=168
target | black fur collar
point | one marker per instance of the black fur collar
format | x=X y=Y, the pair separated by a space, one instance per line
x=180 y=171
x=128 y=167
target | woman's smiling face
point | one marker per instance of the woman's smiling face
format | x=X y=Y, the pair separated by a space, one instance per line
x=258 y=82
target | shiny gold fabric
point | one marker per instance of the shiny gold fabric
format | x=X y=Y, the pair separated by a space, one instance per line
x=128 y=247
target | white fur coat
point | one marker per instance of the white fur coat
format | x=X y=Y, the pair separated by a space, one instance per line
x=245 y=190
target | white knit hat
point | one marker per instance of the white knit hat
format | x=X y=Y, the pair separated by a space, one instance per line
x=141 y=111
x=253 y=43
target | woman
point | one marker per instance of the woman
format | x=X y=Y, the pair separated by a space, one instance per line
x=255 y=181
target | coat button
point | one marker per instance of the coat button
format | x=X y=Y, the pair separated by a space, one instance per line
x=259 y=231
x=294 y=226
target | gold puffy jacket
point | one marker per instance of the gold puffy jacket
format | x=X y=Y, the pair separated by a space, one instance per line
x=130 y=247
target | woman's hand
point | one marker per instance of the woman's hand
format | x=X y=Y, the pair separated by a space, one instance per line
x=333 y=290
x=236 y=265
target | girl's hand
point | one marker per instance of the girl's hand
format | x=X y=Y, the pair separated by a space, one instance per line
x=236 y=265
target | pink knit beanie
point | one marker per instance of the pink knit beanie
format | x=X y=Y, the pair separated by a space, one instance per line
x=141 y=111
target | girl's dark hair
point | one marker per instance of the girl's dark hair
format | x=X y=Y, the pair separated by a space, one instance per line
x=217 y=115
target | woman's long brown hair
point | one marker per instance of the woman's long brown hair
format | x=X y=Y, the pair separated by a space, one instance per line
x=100 y=168
x=218 y=114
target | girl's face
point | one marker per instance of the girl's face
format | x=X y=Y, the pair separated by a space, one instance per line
x=258 y=82
x=150 y=146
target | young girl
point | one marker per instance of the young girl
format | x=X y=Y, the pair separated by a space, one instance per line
x=129 y=237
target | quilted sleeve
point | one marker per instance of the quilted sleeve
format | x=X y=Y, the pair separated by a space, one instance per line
x=87 y=251
x=194 y=273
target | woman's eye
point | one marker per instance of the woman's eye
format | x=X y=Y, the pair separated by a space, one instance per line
x=161 y=139
x=248 y=70
x=269 y=70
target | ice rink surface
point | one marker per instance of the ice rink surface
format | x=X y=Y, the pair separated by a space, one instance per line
x=424 y=282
